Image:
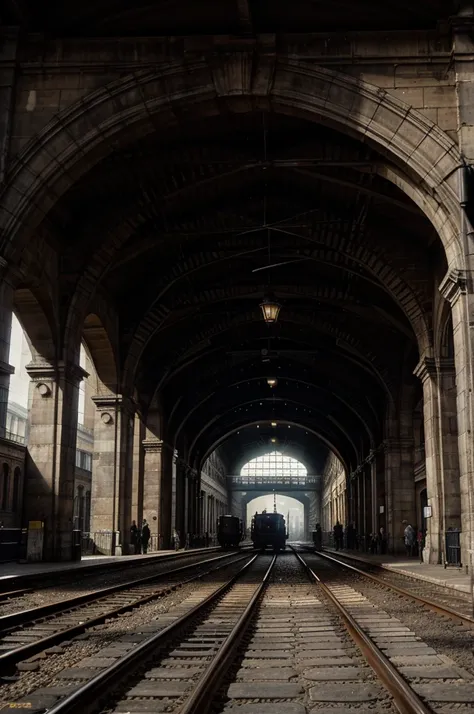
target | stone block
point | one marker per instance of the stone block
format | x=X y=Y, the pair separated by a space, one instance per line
x=341 y=692
x=325 y=674
x=439 y=97
x=264 y=691
x=410 y=95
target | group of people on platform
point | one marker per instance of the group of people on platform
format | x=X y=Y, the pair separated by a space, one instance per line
x=140 y=537
x=375 y=543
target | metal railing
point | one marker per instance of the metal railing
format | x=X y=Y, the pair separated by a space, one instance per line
x=279 y=480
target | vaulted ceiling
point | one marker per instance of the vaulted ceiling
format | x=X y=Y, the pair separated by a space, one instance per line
x=195 y=216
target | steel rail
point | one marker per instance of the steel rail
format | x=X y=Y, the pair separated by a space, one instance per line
x=200 y=700
x=96 y=693
x=440 y=609
x=23 y=617
x=10 y=658
x=406 y=699
x=14 y=593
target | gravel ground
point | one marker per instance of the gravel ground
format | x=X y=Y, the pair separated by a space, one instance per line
x=442 y=634
x=102 y=579
x=93 y=642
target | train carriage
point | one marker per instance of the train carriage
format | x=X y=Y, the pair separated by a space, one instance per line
x=269 y=531
x=229 y=531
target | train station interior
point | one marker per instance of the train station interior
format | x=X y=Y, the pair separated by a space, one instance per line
x=235 y=260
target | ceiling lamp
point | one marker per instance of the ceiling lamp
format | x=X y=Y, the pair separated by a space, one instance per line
x=273 y=440
x=274 y=423
x=270 y=309
x=272 y=382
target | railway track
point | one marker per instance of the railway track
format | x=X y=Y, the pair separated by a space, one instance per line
x=208 y=624
x=259 y=644
x=25 y=633
x=413 y=591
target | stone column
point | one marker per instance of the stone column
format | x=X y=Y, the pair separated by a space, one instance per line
x=399 y=490
x=441 y=452
x=373 y=494
x=153 y=476
x=51 y=455
x=112 y=481
x=138 y=473
x=454 y=288
x=6 y=305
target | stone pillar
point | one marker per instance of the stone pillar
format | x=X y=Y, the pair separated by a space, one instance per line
x=441 y=453
x=6 y=305
x=138 y=474
x=373 y=495
x=51 y=455
x=454 y=288
x=399 y=490
x=153 y=476
x=112 y=481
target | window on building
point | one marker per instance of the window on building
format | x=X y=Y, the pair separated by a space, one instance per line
x=275 y=466
x=5 y=488
x=84 y=460
x=16 y=490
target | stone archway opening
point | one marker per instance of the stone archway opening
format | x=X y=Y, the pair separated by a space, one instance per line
x=295 y=512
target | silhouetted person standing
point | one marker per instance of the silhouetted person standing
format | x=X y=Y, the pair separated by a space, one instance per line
x=338 y=535
x=145 y=536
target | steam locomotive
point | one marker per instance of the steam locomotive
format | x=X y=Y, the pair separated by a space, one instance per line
x=229 y=531
x=269 y=531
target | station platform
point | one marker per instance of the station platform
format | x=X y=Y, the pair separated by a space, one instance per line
x=454 y=578
x=20 y=573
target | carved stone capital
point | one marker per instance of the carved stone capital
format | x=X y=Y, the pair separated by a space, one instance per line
x=153 y=446
x=39 y=371
x=429 y=367
x=109 y=403
x=426 y=368
x=453 y=285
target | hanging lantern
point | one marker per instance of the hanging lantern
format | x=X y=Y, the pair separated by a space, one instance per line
x=270 y=309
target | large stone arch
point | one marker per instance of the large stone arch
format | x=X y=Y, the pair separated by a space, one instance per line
x=425 y=160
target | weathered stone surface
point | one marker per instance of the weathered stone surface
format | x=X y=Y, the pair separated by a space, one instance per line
x=311 y=654
x=442 y=672
x=264 y=691
x=173 y=672
x=77 y=673
x=96 y=662
x=422 y=660
x=269 y=673
x=159 y=689
x=453 y=692
x=325 y=674
x=149 y=706
x=341 y=692
x=260 y=663
x=266 y=708
x=327 y=661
